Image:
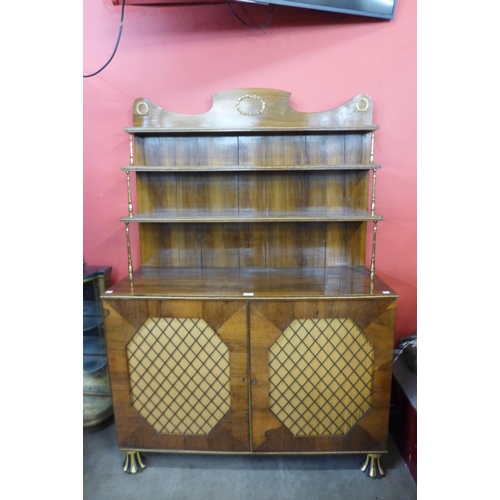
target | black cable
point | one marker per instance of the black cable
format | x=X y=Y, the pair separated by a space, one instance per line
x=116 y=46
x=251 y=25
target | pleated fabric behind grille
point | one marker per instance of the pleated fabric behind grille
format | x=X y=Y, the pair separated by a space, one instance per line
x=320 y=376
x=179 y=375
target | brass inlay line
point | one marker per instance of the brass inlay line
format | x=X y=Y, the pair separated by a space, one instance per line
x=204 y=452
x=232 y=297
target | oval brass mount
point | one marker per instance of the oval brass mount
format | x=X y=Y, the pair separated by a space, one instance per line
x=248 y=96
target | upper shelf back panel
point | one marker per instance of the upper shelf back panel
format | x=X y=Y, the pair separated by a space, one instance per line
x=253 y=109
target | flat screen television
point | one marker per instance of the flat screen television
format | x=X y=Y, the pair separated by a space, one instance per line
x=383 y=9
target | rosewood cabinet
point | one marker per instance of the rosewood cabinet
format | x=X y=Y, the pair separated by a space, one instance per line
x=252 y=324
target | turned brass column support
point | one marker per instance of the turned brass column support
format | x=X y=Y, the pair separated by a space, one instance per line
x=129 y=193
x=134 y=462
x=374 y=179
x=372 y=148
x=374 y=244
x=372 y=466
x=130 y=210
x=372 y=208
x=129 y=254
x=131 y=146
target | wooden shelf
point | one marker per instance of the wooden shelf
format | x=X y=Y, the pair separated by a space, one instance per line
x=244 y=168
x=250 y=130
x=172 y=216
x=264 y=283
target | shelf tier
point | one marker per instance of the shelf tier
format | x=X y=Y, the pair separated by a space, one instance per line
x=246 y=168
x=245 y=217
x=253 y=130
x=251 y=283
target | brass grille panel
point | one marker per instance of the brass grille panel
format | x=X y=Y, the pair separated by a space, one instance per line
x=320 y=376
x=179 y=375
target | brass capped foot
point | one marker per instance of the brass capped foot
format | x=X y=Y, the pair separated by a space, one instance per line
x=373 y=465
x=134 y=462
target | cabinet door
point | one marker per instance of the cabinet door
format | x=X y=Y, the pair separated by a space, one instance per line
x=321 y=375
x=178 y=372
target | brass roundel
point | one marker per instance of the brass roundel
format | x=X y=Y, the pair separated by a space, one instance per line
x=142 y=109
x=361 y=108
x=246 y=113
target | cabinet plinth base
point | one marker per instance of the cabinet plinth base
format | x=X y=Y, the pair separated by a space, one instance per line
x=134 y=462
x=372 y=466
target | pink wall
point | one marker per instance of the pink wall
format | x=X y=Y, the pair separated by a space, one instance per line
x=178 y=56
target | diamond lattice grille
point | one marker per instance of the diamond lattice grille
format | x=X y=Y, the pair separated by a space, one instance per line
x=179 y=375
x=320 y=376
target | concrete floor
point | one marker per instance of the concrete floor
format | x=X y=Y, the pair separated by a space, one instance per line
x=233 y=477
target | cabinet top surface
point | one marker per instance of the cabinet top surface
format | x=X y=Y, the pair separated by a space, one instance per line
x=253 y=110
x=257 y=283
x=95 y=271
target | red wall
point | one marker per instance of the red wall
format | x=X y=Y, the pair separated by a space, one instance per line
x=178 y=56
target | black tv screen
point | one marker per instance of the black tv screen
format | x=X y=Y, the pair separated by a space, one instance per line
x=383 y=9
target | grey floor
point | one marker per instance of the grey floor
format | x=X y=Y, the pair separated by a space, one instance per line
x=223 y=477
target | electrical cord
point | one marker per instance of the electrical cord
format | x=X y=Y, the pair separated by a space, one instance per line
x=116 y=46
x=251 y=25
x=121 y=28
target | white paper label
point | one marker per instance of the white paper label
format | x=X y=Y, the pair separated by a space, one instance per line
x=248 y=294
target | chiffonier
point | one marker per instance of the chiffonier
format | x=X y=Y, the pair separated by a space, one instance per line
x=253 y=320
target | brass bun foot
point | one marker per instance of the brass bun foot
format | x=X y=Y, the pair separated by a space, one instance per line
x=372 y=466
x=134 y=462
